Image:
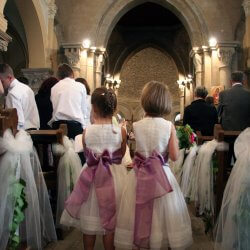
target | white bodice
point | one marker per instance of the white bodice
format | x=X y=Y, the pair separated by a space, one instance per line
x=152 y=134
x=99 y=137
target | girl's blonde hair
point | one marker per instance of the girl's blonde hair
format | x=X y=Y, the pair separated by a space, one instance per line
x=156 y=99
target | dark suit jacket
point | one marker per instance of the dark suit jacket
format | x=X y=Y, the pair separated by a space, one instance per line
x=234 y=108
x=201 y=117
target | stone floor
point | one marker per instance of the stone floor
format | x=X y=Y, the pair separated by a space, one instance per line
x=73 y=241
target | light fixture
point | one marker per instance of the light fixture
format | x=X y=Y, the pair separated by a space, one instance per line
x=86 y=43
x=190 y=76
x=112 y=83
x=212 y=42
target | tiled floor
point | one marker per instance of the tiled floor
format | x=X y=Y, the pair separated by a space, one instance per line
x=73 y=241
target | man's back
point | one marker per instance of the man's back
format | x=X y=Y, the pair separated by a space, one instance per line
x=21 y=97
x=201 y=117
x=68 y=98
x=234 y=108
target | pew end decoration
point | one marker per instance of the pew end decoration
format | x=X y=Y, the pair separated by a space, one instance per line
x=186 y=136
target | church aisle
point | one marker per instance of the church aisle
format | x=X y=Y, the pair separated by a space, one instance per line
x=73 y=241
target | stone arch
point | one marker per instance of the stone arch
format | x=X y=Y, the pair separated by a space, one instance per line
x=125 y=109
x=32 y=15
x=187 y=12
x=127 y=53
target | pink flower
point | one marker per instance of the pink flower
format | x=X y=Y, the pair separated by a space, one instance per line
x=192 y=138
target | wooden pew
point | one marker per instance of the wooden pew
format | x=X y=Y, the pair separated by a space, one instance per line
x=202 y=138
x=223 y=160
x=8 y=120
x=44 y=138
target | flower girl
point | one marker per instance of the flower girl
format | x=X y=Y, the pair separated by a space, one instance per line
x=153 y=212
x=92 y=205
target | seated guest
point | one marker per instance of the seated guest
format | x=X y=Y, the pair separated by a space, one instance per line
x=87 y=115
x=234 y=104
x=21 y=97
x=69 y=102
x=199 y=115
x=43 y=102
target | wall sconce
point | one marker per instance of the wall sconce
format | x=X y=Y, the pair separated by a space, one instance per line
x=187 y=80
x=111 y=83
x=212 y=42
x=86 y=44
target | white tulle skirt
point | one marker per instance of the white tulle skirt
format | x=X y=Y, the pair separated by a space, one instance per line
x=201 y=186
x=187 y=169
x=89 y=222
x=171 y=224
x=20 y=160
x=68 y=171
x=233 y=225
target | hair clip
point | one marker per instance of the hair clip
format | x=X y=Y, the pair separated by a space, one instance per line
x=102 y=93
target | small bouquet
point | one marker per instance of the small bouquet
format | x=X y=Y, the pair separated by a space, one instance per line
x=186 y=136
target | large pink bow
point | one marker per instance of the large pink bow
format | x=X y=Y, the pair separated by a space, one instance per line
x=99 y=174
x=152 y=183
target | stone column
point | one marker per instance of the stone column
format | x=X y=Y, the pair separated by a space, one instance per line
x=37 y=76
x=90 y=68
x=196 y=54
x=246 y=6
x=214 y=66
x=98 y=67
x=3 y=21
x=225 y=53
x=73 y=54
x=182 y=100
x=207 y=67
x=84 y=62
x=52 y=9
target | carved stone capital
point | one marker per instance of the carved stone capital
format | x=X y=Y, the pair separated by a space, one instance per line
x=36 y=76
x=246 y=6
x=52 y=8
x=225 y=55
x=4 y=40
x=72 y=53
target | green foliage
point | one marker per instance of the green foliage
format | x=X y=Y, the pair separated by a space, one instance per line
x=18 y=195
x=186 y=136
x=208 y=219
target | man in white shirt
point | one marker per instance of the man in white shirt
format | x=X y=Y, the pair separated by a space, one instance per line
x=21 y=97
x=69 y=102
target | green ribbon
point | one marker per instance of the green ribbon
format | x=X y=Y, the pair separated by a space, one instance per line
x=18 y=195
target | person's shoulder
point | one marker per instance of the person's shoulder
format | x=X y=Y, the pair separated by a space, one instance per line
x=189 y=107
x=20 y=89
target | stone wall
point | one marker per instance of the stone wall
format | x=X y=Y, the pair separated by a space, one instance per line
x=146 y=65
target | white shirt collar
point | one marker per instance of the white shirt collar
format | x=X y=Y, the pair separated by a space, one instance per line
x=236 y=83
x=12 y=84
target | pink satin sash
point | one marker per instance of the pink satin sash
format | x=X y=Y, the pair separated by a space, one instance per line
x=99 y=174
x=152 y=183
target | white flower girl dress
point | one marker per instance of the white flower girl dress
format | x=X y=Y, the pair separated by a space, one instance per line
x=93 y=204
x=151 y=215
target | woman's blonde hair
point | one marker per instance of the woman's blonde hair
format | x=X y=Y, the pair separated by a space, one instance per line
x=156 y=99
